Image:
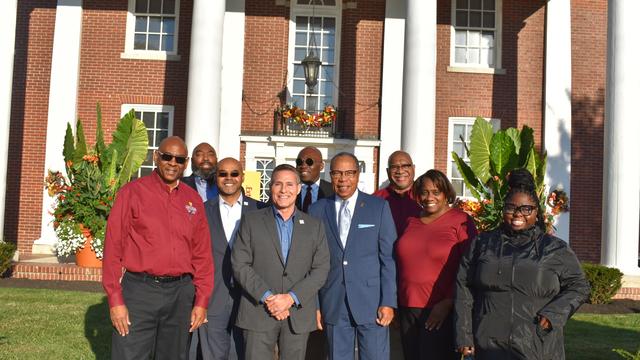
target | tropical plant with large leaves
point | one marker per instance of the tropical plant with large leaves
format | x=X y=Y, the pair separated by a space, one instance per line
x=492 y=156
x=93 y=176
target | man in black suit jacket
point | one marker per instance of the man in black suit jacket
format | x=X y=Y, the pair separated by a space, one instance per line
x=203 y=167
x=309 y=165
x=218 y=338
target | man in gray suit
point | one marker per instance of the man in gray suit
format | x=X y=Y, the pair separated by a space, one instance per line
x=219 y=339
x=280 y=259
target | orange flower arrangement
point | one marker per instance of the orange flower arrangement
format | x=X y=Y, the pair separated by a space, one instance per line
x=299 y=116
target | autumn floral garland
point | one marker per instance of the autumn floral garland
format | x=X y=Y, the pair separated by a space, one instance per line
x=298 y=115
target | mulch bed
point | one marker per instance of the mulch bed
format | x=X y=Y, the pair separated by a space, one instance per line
x=621 y=306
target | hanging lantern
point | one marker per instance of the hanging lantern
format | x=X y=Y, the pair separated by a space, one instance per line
x=311 y=65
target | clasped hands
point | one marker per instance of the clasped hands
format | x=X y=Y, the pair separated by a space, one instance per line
x=278 y=305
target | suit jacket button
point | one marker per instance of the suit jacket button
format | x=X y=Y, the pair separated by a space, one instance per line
x=284 y=274
x=345 y=263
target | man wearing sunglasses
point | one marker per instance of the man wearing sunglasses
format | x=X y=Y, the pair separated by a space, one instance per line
x=219 y=339
x=309 y=165
x=157 y=232
x=399 y=194
x=203 y=167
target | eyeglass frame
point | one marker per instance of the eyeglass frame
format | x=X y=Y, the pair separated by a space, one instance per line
x=520 y=209
x=401 y=167
x=349 y=174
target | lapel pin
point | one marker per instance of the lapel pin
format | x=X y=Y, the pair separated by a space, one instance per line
x=246 y=203
x=301 y=221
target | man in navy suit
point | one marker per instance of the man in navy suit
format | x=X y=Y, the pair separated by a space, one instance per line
x=357 y=302
x=203 y=167
x=309 y=165
x=219 y=338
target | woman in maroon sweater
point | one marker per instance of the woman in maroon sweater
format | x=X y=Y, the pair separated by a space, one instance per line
x=428 y=254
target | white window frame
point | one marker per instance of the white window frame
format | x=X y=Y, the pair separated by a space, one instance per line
x=477 y=68
x=131 y=53
x=318 y=11
x=467 y=121
x=125 y=108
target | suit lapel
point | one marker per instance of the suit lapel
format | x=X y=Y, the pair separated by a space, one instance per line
x=330 y=213
x=357 y=218
x=270 y=224
x=214 y=211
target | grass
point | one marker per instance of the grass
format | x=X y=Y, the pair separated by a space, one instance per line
x=57 y=324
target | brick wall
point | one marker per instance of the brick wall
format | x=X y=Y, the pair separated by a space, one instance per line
x=265 y=64
x=361 y=70
x=107 y=78
x=588 y=72
x=515 y=97
x=28 y=128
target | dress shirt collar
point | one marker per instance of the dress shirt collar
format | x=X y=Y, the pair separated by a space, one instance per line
x=237 y=202
x=351 y=205
x=164 y=186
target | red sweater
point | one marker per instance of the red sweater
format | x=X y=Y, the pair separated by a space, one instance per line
x=428 y=256
x=159 y=231
x=402 y=206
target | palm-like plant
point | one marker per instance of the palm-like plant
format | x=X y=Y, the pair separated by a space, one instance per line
x=94 y=174
x=491 y=158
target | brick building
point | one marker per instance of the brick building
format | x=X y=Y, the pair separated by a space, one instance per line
x=404 y=74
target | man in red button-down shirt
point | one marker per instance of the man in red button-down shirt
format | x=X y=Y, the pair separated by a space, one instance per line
x=158 y=233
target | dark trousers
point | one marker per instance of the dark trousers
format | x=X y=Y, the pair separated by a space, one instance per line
x=260 y=345
x=418 y=343
x=372 y=339
x=218 y=339
x=160 y=316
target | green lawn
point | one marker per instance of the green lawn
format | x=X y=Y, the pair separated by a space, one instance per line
x=56 y=324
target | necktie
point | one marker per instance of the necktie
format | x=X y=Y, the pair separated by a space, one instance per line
x=307 y=199
x=344 y=222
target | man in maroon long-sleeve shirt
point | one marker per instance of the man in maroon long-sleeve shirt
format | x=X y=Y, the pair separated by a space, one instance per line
x=401 y=172
x=158 y=233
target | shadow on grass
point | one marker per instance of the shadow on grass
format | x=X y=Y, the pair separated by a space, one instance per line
x=588 y=340
x=97 y=329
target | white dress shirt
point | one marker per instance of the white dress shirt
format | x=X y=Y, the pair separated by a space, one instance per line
x=230 y=215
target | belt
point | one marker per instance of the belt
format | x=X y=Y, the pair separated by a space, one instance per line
x=158 y=279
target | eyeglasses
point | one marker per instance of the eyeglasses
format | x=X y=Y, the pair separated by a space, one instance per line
x=168 y=157
x=224 y=174
x=308 y=161
x=525 y=210
x=400 y=167
x=336 y=174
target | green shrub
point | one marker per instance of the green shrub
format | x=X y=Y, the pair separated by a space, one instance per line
x=6 y=256
x=605 y=282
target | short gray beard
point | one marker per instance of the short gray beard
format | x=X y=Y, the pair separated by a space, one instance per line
x=205 y=176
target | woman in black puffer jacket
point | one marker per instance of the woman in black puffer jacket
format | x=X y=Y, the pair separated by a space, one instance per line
x=517 y=286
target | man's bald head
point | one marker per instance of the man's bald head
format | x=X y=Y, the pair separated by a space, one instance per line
x=203 y=161
x=309 y=164
x=401 y=171
x=171 y=159
x=229 y=178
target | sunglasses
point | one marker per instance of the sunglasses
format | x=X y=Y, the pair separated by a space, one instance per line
x=308 y=161
x=525 y=210
x=224 y=174
x=168 y=157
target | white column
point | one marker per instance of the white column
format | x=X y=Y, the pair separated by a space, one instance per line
x=620 y=198
x=392 y=65
x=231 y=83
x=557 y=115
x=63 y=94
x=7 y=51
x=205 y=66
x=419 y=90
